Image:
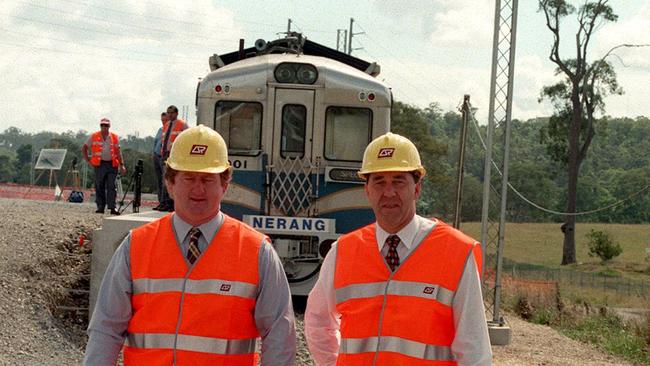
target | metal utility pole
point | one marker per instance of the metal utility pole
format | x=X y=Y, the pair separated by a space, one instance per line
x=499 y=119
x=289 y=26
x=345 y=40
x=350 y=35
x=465 y=109
x=340 y=32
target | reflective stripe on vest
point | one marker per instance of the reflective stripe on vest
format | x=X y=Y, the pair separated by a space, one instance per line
x=398 y=345
x=192 y=343
x=200 y=314
x=403 y=317
x=221 y=287
x=398 y=288
x=96 y=147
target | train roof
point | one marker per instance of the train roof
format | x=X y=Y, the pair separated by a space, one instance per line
x=309 y=48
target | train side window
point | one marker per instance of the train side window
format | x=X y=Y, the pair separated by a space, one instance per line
x=294 y=118
x=347 y=133
x=240 y=124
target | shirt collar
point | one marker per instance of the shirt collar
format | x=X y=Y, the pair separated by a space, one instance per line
x=406 y=234
x=208 y=229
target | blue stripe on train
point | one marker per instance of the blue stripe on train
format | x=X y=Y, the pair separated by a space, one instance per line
x=346 y=220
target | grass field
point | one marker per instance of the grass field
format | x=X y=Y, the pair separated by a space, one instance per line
x=541 y=243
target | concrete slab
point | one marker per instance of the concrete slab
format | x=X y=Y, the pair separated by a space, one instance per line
x=500 y=333
x=107 y=239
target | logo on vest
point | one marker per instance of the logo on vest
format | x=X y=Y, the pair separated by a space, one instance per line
x=198 y=149
x=386 y=152
x=429 y=290
x=225 y=287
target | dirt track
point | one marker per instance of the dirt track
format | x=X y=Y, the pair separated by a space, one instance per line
x=39 y=259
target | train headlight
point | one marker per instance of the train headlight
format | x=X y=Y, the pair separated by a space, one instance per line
x=285 y=73
x=295 y=73
x=307 y=74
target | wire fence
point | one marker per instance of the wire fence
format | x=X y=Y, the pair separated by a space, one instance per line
x=575 y=278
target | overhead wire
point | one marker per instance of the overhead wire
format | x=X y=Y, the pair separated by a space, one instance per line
x=165 y=19
x=95 y=46
x=539 y=207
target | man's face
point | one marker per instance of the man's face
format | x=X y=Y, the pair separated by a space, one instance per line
x=104 y=128
x=197 y=196
x=164 y=119
x=171 y=114
x=392 y=196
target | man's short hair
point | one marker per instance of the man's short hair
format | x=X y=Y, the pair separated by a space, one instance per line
x=173 y=108
x=170 y=174
x=163 y=114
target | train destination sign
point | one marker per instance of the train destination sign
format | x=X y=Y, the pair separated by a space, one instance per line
x=282 y=224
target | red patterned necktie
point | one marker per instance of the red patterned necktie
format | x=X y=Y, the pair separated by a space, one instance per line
x=392 y=258
x=193 y=251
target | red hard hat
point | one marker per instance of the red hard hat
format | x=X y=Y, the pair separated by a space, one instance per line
x=105 y=121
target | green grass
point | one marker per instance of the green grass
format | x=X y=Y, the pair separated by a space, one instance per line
x=541 y=243
x=610 y=334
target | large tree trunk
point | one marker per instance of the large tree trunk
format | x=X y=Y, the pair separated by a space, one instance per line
x=569 y=247
x=573 y=168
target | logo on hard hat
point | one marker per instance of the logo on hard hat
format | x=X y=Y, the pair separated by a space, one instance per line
x=386 y=152
x=198 y=149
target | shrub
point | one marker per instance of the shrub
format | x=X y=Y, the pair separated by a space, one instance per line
x=602 y=245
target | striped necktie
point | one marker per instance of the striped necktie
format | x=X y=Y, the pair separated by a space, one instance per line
x=193 y=251
x=392 y=258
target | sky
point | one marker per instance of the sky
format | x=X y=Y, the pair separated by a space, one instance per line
x=68 y=63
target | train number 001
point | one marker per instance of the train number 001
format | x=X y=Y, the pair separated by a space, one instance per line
x=238 y=164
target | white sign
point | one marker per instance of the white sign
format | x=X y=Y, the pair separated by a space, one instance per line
x=283 y=224
x=50 y=159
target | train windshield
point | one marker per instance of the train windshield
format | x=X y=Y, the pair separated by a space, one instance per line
x=240 y=124
x=294 y=117
x=347 y=133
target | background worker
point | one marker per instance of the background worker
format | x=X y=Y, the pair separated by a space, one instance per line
x=106 y=158
x=404 y=290
x=195 y=287
x=157 y=159
x=170 y=131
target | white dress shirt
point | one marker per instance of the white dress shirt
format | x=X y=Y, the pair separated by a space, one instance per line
x=471 y=346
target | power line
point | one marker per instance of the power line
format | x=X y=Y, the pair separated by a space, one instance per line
x=92 y=54
x=165 y=31
x=95 y=46
x=618 y=203
x=166 y=20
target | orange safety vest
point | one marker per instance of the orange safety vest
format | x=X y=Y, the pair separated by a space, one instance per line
x=179 y=126
x=97 y=142
x=403 y=317
x=193 y=315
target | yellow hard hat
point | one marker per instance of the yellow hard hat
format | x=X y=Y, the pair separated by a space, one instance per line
x=199 y=149
x=391 y=153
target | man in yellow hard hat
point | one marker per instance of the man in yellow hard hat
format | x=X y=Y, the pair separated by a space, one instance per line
x=404 y=290
x=195 y=287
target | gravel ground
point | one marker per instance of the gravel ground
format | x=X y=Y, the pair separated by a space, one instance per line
x=40 y=258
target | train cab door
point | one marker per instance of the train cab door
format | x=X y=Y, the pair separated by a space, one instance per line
x=291 y=188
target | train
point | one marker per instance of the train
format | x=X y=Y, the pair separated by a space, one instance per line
x=296 y=116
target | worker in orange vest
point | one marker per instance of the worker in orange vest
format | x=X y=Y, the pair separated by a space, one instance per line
x=106 y=158
x=404 y=290
x=195 y=287
x=170 y=131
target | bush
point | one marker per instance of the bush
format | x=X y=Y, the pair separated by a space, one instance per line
x=602 y=245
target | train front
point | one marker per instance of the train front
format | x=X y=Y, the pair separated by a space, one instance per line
x=296 y=126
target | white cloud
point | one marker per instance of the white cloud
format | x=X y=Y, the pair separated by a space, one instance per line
x=130 y=75
x=463 y=24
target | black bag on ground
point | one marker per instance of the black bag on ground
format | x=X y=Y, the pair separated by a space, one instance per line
x=76 y=197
